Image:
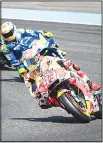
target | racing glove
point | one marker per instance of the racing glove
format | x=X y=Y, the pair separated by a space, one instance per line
x=48 y=34
x=67 y=64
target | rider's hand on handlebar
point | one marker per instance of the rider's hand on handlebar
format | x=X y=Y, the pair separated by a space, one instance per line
x=67 y=64
x=48 y=34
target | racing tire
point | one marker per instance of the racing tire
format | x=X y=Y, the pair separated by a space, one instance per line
x=72 y=107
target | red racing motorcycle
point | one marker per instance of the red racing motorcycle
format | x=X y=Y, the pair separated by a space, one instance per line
x=67 y=90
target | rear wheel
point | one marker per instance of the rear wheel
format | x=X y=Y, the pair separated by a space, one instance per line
x=75 y=107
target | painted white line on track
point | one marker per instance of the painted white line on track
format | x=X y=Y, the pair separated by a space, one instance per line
x=52 y=16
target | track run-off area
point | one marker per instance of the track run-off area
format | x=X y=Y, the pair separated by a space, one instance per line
x=21 y=117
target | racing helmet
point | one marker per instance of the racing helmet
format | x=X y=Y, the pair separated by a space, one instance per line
x=8 y=31
x=31 y=57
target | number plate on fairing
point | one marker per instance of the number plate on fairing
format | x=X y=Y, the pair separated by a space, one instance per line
x=49 y=78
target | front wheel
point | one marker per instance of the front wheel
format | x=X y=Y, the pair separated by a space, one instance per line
x=77 y=110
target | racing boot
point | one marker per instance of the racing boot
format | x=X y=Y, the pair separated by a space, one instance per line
x=43 y=103
x=43 y=97
x=94 y=86
x=21 y=71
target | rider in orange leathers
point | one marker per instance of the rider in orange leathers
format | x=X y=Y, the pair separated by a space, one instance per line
x=40 y=65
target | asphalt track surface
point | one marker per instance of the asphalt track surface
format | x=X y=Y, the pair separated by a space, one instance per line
x=21 y=117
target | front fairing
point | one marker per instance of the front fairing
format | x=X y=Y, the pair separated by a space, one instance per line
x=54 y=82
x=45 y=42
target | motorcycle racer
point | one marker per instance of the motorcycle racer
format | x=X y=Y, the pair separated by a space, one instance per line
x=16 y=41
x=41 y=65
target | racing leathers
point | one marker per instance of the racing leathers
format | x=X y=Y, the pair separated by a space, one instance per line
x=32 y=77
x=23 y=41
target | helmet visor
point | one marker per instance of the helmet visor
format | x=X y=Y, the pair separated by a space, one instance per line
x=9 y=34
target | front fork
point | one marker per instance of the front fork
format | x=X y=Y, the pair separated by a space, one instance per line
x=92 y=107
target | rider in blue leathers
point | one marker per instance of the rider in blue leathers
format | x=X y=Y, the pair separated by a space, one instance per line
x=15 y=41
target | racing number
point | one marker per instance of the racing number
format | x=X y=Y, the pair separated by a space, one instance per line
x=49 y=78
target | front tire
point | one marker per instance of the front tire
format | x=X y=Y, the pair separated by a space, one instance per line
x=71 y=106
